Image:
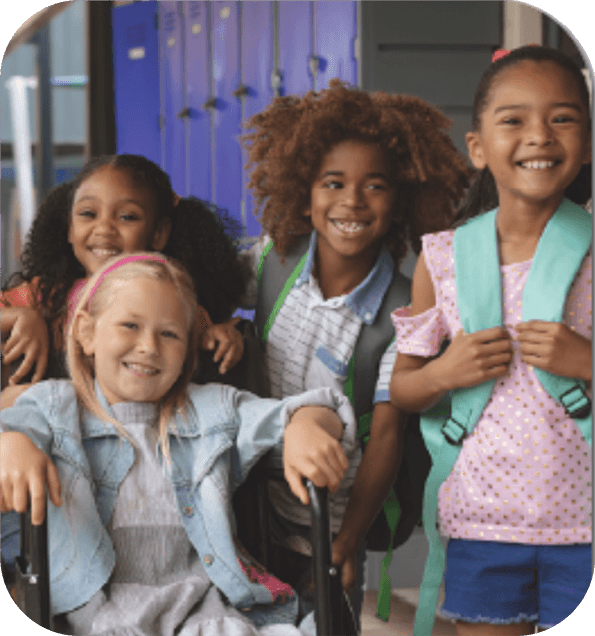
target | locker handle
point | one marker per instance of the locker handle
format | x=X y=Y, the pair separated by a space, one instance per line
x=184 y=113
x=240 y=91
x=210 y=103
x=314 y=64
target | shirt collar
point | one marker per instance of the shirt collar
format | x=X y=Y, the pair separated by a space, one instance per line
x=366 y=298
x=93 y=426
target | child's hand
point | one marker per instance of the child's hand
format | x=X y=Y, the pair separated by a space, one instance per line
x=312 y=452
x=473 y=358
x=24 y=472
x=28 y=337
x=226 y=341
x=346 y=559
x=554 y=347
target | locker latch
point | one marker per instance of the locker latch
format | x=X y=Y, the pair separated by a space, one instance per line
x=240 y=91
x=314 y=63
x=211 y=103
x=184 y=113
x=276 y=81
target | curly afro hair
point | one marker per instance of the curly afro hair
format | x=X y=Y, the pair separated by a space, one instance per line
x=287 y=142
x=202 y=239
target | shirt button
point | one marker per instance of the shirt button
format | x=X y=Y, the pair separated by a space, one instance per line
x=188 y=511
x=209 y=559
x=368 y=316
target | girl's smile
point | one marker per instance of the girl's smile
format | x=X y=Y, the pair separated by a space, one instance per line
x=139 y=341
x=111 y=214
x=534 y=134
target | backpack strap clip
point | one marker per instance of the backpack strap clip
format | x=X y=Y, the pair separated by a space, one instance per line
x=576 y=402
x=454 y=432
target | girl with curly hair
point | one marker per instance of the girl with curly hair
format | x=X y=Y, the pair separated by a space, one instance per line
x=345 y=180
x=116 y=204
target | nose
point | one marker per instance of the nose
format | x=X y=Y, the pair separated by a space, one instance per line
x=353 y=196
x=539 y=133
x=104 y=224
x=147 y=342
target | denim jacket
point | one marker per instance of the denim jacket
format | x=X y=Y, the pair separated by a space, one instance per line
x=223 y=434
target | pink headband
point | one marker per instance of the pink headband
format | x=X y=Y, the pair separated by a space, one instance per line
x=500 y=53
x=123 y=261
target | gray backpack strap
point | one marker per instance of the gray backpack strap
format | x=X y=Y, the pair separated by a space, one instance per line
x=372 y=343
x=273 y=276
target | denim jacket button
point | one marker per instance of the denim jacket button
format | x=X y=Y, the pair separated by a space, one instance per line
x=209 y=559
x=188 y=511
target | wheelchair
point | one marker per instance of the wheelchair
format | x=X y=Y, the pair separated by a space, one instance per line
x=332 y=612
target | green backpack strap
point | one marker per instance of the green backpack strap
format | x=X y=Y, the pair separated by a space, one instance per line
x=477 y=272
x=568 y=235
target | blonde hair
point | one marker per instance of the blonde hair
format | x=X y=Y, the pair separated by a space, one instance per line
x=96 y=297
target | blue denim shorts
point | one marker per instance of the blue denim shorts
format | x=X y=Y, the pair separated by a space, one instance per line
x=500 y=583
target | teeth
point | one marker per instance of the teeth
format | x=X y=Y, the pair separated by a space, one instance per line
x=349 y=226
x=537 y=165
x=101 y=253
x=139 y=368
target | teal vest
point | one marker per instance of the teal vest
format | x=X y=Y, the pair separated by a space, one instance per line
x=562 y=247
x=402 y=509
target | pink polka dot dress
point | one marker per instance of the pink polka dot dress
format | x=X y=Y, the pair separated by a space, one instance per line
x=524 y=474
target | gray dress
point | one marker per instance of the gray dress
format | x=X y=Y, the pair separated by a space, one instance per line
x=159 y=586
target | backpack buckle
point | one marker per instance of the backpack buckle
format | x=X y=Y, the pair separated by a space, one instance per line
x=576 y=402
x=454 y=432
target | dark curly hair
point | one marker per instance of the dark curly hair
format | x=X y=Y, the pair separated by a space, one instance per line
x=291 y=137
x=483 y=194
x=201 y=239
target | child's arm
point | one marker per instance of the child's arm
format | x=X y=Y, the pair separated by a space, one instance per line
x=24 y=333
x=24 y=472
x=470 y=359
x=554 y=347
x=311 y=449
x=375 y=476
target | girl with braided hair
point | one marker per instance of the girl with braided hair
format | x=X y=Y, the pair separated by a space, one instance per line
x=116 y=204
x=344 y=180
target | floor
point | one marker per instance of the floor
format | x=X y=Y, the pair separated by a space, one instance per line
x=401 y=618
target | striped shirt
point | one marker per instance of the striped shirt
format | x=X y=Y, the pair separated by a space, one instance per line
x=310 y=345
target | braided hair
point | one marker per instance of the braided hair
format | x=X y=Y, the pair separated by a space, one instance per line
x=201 y=239
x=483 y=194
x=292 y=136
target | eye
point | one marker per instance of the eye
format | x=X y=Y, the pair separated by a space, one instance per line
x=89 y=214
x=332 y=184
x=168 y=333
x=130 y=325
x=564 y=119
x=511 y=121
x=129 y=216
x=377 y=186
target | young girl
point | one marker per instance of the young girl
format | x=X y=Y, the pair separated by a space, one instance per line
x=516 y=505
x=141 y=539
x=116 y=204
x=345 y=179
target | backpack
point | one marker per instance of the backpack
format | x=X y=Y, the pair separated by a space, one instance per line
x=477 y=275
x=402 y=509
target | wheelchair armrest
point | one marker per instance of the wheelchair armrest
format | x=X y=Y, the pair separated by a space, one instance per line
x=32 y=584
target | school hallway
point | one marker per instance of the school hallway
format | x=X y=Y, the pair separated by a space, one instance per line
x=402 y=615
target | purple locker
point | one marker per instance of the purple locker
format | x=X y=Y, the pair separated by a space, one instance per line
x=257 y=64
x=336 y=30
x=295 y=46
x=227 y=181
x=173 y=94
x=198 y=73
x=136 y=79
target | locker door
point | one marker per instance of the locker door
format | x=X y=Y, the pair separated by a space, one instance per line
x=295 y=46
x=173 y=94
x=226 y=190
x=336 y=30
x=136 y=79
x=198 y=70
x=257 y=64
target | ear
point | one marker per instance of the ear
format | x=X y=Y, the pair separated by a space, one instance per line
x=161 y=235
x=475 y=147
x=308 y=212
x=84 y=331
